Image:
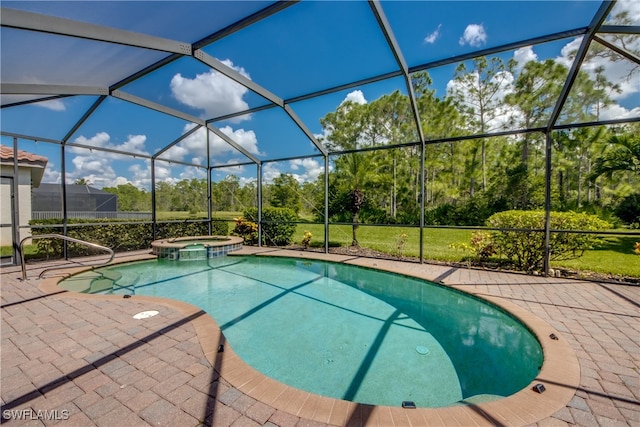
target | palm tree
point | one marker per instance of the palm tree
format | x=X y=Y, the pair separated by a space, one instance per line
x=622 y=153
x=348 y=128
x=358 y=171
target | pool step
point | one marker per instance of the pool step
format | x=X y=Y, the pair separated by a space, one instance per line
x=93 y=282
x=192 y=252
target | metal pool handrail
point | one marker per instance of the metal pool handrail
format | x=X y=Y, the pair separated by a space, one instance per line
x=59 y=236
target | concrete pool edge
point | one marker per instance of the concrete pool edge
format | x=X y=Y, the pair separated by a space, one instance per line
x=212 y=245
x=560 y=373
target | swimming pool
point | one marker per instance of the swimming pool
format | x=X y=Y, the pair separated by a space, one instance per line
x=343 y=331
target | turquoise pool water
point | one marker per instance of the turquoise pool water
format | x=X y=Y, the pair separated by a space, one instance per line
x=343 y=331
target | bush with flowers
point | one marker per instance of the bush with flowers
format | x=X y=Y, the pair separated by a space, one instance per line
x=248 y=230
x=306 y=239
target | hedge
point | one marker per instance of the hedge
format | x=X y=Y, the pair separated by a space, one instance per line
x=526 y=249
x=278 y=224
x=119 y=235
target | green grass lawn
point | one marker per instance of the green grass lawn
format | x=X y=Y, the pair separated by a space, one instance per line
x=614 y=256
x=388 y=239
x=165 y=215
x=28 y=250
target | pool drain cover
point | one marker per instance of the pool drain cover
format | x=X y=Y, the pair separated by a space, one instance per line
x=145 y=314
x=422 y=349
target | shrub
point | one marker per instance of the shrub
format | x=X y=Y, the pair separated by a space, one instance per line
x=401 y=242
x=248 y=230
x=440 y=215
x=167 y=230
x=306 y=239
x=118 y=235
x=629 y=210
x=278 y=224
x=472 y=211
x=602 y=212
x=481 y=245
x=219 y=228
x=526 y=248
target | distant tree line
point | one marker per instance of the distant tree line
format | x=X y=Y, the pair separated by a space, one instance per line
x=594 y=169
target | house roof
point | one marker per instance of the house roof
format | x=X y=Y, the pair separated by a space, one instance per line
x=36 y=163
x=24 y=157
x=70 y=188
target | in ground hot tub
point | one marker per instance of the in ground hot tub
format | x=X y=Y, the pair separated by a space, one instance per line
x=195 y=247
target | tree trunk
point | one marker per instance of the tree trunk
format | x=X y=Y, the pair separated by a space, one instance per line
x=525 y=154
x=561 y=189
x=357 y=199
x=484 y=170
x=354 y=242
x=394 y=191
x=590 y=184
x=580 y=181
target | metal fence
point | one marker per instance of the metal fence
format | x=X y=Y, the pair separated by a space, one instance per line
x=91 y=215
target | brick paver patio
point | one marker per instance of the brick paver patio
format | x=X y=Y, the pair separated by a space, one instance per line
x=87 y=362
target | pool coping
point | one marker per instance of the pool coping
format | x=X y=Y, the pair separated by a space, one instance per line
x=212 y=245
x=179 y=242
x=560 y=372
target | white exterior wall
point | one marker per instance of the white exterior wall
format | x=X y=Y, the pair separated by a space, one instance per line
x=24 y=201
x=5 y=210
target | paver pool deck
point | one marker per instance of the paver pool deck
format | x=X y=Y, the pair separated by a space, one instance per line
x=83 y=360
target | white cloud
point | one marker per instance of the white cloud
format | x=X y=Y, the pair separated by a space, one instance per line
x=120 y=180
x=568 y=51
x=141 y=176
x=233 y=168
x=323 y=137
x=96 y=170
x=247 y=139
x=96 y=166
x=177 y=152
x=245 y=181
x=431 y=38
x=524 y=55
x=195 y=145
x=309 y=169
x=614 y=71
x=163 y=173
x=631 y=7
x=474 y=35
x=356 y=97
x=269 y=172
x=100 y=139
x=504 y=117
x=53 y=104
x=211 y=92
x=615 y=111
x=99 y=173
x=191 y=173
x=135 y=144
x=52 y=174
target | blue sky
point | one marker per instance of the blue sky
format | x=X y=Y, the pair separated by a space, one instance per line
x=302 y=49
